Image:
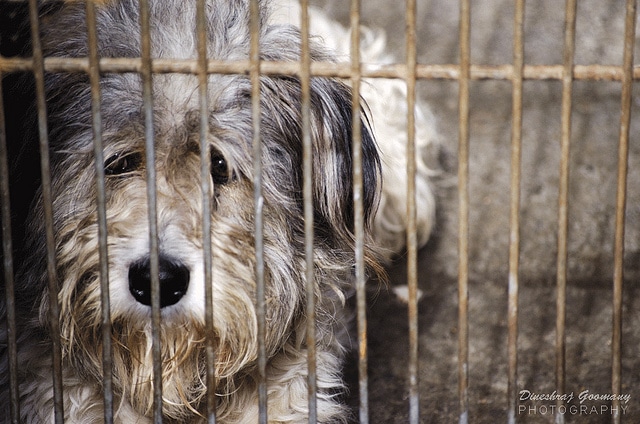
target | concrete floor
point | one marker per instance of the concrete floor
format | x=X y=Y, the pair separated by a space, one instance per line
x=596 y=120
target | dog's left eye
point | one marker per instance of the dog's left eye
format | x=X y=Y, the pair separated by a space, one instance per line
x=220 y=172
x=120 y=163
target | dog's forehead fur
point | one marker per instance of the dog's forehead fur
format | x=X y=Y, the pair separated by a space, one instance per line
x=173 y=30
x=172 y=35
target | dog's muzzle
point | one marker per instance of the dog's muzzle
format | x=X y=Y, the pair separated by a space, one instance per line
x=174 y=281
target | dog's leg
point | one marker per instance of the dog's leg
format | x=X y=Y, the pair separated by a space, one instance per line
x=288 y=393
x=288 y=387
x=83 y=403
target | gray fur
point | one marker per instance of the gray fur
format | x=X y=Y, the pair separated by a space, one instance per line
x=179 y=221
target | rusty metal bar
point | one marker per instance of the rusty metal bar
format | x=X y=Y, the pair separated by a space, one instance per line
x=463 y=212
x=8 y=270
x=621 y=201
x=47 y=200
x=94 y=78
x=514 y=216
x=147 y=92
x=412 y=241
x=205 y=187
x=255 y=73
x=563 y=201
x=326 y=69
x=305 y=82
x=361 y=295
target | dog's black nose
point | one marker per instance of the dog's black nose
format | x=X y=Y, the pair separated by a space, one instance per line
x=174 y=281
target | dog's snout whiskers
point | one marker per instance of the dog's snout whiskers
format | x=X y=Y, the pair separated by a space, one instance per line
x=174 y=281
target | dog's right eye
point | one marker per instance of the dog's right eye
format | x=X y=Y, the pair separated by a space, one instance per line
x=120 y=163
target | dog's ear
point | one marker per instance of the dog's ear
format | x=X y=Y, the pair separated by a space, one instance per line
x=333 y=156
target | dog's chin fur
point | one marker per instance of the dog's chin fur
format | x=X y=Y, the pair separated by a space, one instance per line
x=176 y=123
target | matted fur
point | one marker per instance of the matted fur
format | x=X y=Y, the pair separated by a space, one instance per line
x=177 y=151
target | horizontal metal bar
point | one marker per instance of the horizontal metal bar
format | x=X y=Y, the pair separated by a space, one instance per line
x=324 y=69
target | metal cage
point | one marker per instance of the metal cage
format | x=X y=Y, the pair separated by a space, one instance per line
x=410 y=71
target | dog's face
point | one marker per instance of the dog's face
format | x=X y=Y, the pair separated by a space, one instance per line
x=177 y=151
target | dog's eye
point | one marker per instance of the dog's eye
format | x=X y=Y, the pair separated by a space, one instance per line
x=122 y=163
x=219 y=169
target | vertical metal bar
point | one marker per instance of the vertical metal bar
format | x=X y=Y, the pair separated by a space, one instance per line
x=361 y=295
x=412 y=241
x=150 y=158
x=463 y=212
x=8 y=268
x=563 y=199
x=514 y=218
x=47 y=200
x=621 y=201
x=94 y=77
x=254 y=57
x=305 y=81
x=205 y=163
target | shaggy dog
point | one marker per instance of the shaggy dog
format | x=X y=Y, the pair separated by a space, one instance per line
x=176 y=124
